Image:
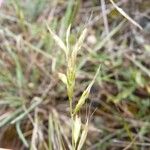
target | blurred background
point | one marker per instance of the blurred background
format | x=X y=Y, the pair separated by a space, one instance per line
x=34 y=110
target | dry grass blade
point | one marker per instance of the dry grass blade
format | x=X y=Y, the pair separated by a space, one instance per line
x=50 y=132
x=26 y=43
x=31 y=108
x=60 y=143
x=83 y=136
x=126 y=15
x=34 y=48
x=34 y=139
x=139 y=65
x=104 y=14
x=107 y=38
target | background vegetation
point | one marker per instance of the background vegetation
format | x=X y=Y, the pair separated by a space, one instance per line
x=34 y=107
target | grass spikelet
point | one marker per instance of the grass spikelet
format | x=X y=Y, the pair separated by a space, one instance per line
x=85 y=94
x=63 y=78
x=58 y=41
x=79 y=43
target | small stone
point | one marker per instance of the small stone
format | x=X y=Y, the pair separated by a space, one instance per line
x=31 y=85
x=91 y=39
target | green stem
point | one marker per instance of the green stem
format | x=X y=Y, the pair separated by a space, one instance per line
x=72 y=119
